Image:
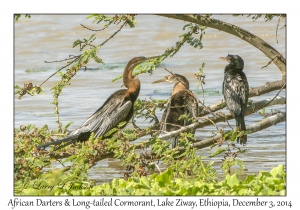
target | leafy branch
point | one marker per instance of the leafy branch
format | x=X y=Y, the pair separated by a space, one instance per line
x=150 y=66
x=243 y=34
x=74 y=63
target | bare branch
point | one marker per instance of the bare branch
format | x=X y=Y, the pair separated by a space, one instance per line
x=76 y=58
x=95 y=29
x=265 y=123
x=219 y=118
x=277 y=28
x=252 y=108
x=70 y=58
x=266 y=88
x=276 y=94
x=114 y=33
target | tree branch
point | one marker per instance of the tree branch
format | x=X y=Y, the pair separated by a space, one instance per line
x=257 y=42
x=221 y=118
x=252 y=108
x=266 y=88
x=265 y=123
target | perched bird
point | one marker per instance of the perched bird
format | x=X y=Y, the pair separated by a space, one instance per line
x=236 y=91
x=117 y=108
x=182 y=102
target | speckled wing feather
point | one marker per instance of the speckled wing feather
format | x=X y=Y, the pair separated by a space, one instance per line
x=192 y=106
x=188 y=101
x=236 y=93
x=113 y=111
x=164 y=117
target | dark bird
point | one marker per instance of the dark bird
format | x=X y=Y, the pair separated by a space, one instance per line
x=236 y=91
x=182 y=102
x=116 y=109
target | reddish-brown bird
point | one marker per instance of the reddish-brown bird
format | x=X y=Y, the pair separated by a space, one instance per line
x=117 y=108
x=182 y=102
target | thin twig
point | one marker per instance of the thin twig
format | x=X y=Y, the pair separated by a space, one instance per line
x=114 y=33
x=222 y=114
x=157 y=167
x=191 y=92
x=276 y=94
x=269 y=62
x=76 y=58
x=60 y=162
x=70 y=57
x=212 y=122
x=176 y=78
x=95 y=29
x=201 y=83
x=277 y=28
x=181 y=43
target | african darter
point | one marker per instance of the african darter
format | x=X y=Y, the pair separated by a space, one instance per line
x=116 y=109
x=182 y=102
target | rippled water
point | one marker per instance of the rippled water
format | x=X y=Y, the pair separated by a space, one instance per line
x=50 y=37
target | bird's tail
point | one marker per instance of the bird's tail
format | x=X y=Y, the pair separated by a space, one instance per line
x=240 y=123
x=68 y=140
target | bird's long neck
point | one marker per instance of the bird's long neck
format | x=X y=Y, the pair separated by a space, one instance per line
x=131 y=82
x=180 y=86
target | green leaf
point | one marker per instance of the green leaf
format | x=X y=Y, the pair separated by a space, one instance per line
x=276 y=171
x=165 y=177
x=232 y=180
x=217 y=152
x=145 y=182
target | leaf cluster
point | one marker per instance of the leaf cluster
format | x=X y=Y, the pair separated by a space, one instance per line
x=28 y=89
x=267 y=17
x=146 y=109
x=150 y=66
x=265 y=183
x=113 y=19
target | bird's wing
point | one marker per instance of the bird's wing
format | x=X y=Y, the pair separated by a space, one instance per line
x=236 y=90
x=113 y=111
x=244 y=93
x=164 y=117
x=192 y=105
x=112 y=119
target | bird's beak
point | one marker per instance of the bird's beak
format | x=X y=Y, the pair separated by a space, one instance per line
x=161 y=80
x=225 y=59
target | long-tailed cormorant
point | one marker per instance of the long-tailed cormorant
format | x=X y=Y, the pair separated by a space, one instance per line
x=236 y=91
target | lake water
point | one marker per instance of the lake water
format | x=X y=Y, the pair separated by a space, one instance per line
x=50 y=37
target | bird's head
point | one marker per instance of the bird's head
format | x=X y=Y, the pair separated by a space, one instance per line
x=174 y=78
x=128 y=79
x=138 y=60
x=234 y=61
